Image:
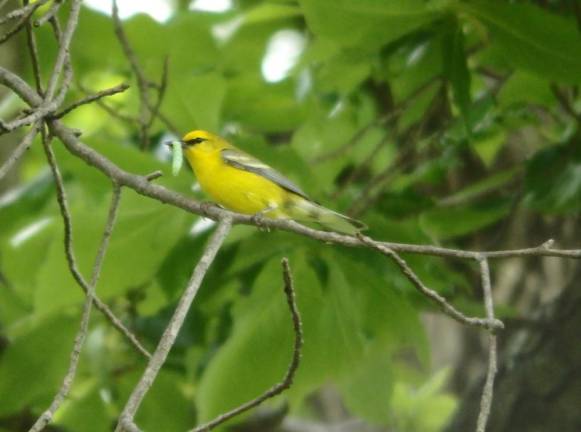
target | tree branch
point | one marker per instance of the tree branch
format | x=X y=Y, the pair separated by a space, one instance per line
x=64 y=390
x=18 y=151
x=148 y=110
x=293 y=366
x=62 y=57
x=71 y=261
x=487 y=392
x=24 y=13
x=171 y=331
x=92 y=98
x=446 y=307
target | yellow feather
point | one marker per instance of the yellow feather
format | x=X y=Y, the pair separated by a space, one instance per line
x=249 y=192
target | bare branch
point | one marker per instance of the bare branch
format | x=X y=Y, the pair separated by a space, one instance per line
x=64 y=390
x=487 y=392
x=148 y=111
x=446 y=307
x=71 y=261
x=382 y=121
x=63 y=53
x=292 y=368
x=133 y=121
x=143 y=84
x=33 y=51
x=171 y=331
x=154 y=175
x=20 y=87
x=143 y=187
x=18 y=151
x=24 y=13
x=92 y=98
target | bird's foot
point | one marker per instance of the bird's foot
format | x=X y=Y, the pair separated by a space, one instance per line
x=207 y=207
x=258 y=220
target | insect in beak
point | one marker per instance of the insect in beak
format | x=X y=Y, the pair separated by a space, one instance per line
x=170 y=143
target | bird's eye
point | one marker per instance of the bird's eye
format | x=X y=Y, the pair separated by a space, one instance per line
x=195 y=141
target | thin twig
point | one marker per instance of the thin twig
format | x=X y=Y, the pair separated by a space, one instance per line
x=18 y=151
x=161 y=92
x=71 y=261
x=148 y=111
x=133 y=121
x=65 y=388
x=24 y=13
x=38 y=114
x=383 y=120
x=488 y=390
x=143 y=83
x=171 y=331
x=33 y=51
x=92 y=98
x=154 y=175
x=56 y=5
x=63 y=53
x=446 y=307
x=143 y=187
x=292 y=368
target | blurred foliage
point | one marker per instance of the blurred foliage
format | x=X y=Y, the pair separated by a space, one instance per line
x=430 y=120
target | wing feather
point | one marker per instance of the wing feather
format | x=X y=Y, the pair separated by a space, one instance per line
x=239 y=159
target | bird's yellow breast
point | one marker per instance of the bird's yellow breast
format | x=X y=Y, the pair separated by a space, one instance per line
x=235 y=189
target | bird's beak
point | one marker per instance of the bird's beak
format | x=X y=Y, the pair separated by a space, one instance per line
x=170 y=143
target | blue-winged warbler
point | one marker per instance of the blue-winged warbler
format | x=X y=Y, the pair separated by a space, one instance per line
x=242 y=183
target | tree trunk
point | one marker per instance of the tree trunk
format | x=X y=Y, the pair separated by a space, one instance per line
x=538 y=387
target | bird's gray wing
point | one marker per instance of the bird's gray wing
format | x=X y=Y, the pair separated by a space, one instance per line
x=239 y=159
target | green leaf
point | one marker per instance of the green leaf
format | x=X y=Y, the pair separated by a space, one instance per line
x=33 y=365
x=553 y=180
x=531 y=38
x=479 y=188
x=367 y=389
x=263 y=107
x=446 y=223
x=269 y=12
x=367 y=24
x=140 y=240
x=165 y=407
x=488 y=146
x=25 y=250
x=257 y=353
x=436 y=407
x=85 y=410
x=525 y=88
x=456 y=68
x=196 y=101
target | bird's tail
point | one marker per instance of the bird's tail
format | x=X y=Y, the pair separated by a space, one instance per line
x=309 y=211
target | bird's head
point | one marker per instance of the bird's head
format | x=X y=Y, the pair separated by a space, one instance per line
x=202 y=141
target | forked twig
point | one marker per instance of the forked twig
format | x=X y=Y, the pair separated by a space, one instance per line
x=18 y=151
x=65 y=388
x=71 y=260
x=445 y=306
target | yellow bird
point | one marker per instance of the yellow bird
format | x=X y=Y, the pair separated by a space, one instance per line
x=242 y=183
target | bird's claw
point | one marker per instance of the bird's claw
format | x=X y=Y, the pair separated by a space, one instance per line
x=258 y=220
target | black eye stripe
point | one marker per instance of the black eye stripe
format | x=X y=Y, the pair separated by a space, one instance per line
x=194 y=141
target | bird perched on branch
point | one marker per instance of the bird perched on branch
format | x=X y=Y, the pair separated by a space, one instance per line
x=242 y=183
